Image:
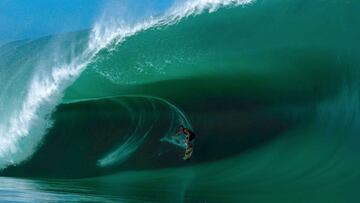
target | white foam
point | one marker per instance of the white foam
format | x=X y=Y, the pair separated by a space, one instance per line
x=23 y=131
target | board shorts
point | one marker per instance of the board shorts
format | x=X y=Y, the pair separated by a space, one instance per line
x=188 y=153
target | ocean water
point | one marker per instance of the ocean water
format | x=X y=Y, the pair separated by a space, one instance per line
x=271 y=89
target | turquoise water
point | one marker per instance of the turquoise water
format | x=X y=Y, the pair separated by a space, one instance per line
x=269 y=87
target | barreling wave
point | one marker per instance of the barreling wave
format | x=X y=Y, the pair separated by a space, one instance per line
x=261 y=82
x=27 y=115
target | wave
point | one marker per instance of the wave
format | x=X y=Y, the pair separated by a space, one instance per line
x=260 y=79
x=59 y=64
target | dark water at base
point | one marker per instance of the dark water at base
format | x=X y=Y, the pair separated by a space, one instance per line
x=232 y=180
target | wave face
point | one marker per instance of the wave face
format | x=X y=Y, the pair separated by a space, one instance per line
x=35 y=86
x=271 y=87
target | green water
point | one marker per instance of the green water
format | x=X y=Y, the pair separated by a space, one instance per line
x=270 y=89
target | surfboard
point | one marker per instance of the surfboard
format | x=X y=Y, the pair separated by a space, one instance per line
x=188 y=153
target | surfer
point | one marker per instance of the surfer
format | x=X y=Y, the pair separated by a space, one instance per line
x=190 y=136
